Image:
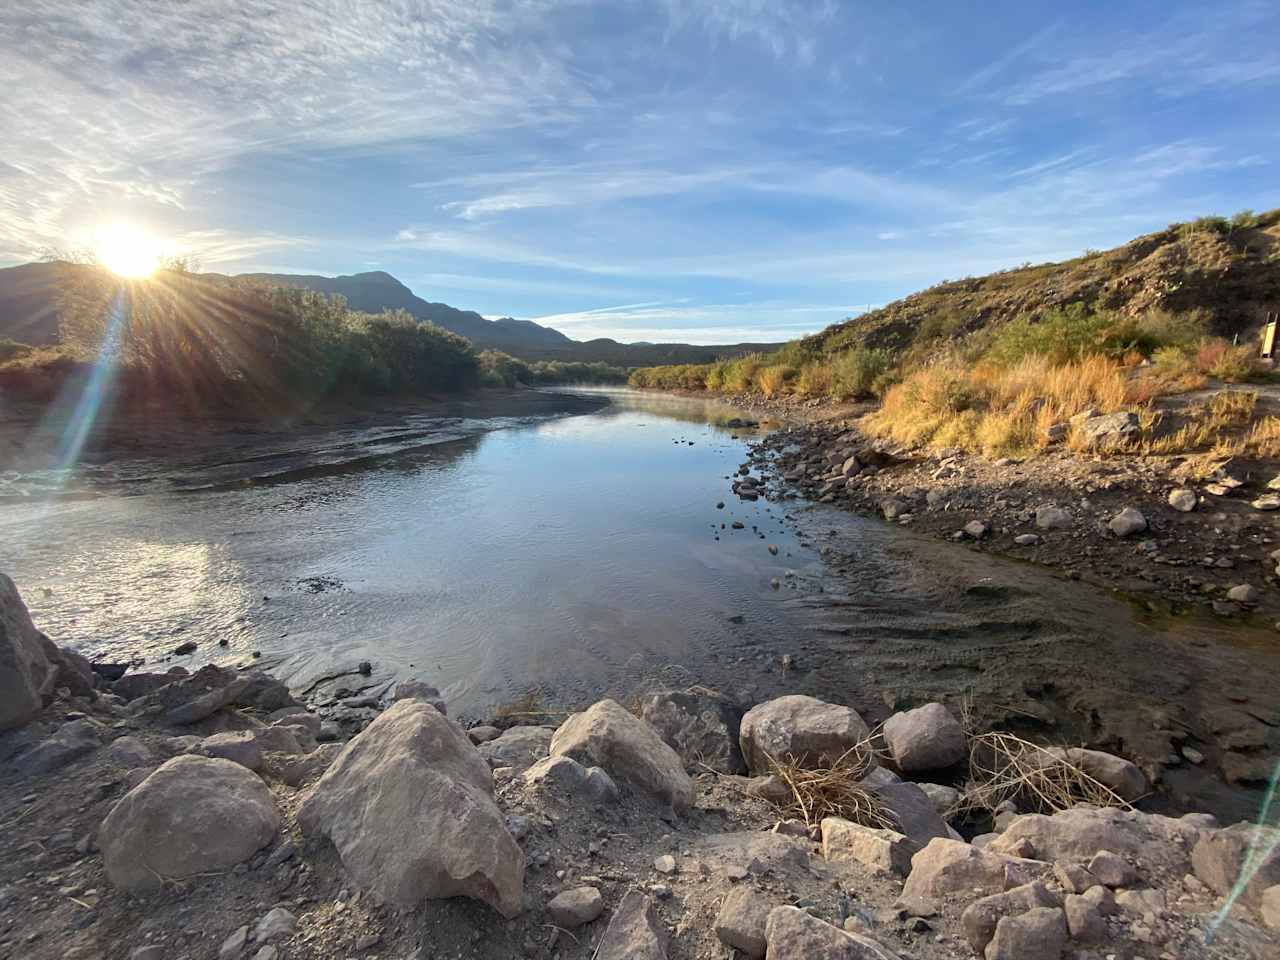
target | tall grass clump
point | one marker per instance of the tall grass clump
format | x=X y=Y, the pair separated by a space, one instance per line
x=859 y=372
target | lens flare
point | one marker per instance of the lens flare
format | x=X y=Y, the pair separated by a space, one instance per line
x=126 y=250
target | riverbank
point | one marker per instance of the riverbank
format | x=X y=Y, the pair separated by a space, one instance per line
x=155 y=816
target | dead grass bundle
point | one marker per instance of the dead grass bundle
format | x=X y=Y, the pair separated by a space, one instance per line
x=834 y=791
x=1004 y=767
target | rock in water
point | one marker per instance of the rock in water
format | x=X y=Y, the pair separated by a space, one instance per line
x=409 y=806
x=634 y=932
x=808 y=731
x=795 y=935
x=26 y=676
x=192 y=815
x=700 y=724
x=926 y=738
x=628 y=749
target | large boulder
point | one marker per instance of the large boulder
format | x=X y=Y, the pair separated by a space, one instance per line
x=420 y=690
x=72 y=670
x=805 y=730
x=26 y=675
x=951 y=866
x=608 y=736
x=1039 y=933
x=634 y=932
x=740 y=924
x=883 y=850
x=793 y=934
x=134 y=685
x=409 y=806
x=71 y=741
x=911 y=809
x=700 y=724
x=926 y=738
x=1107 y=429
x=193 y=815
x=191 y=699
x=1219 y=858
x=568 y=778
x=1119 y=775
x=1081 y=832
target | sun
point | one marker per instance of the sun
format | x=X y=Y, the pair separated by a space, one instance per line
x=126 y=250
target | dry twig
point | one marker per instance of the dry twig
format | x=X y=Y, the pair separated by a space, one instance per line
x=834 y=791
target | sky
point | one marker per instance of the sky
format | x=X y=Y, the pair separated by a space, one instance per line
x=707 y=171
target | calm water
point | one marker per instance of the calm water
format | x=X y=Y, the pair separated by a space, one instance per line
x=568 y=555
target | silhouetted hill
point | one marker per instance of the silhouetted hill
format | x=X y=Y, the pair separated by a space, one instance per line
x=28 y=302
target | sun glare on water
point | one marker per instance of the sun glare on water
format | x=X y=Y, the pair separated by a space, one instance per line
x=127 y=251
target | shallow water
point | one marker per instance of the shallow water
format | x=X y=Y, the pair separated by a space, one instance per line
x=566 y=555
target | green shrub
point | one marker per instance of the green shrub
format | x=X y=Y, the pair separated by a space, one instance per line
x=855 y=373
x=1244 y=220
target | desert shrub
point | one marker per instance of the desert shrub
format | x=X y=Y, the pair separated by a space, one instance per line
x=1062 y=334
x=773 y=379
x=1211 y=225
x=497 y=369
x=740 y=374
x=1244 y=220
x=857 y=372
x=816 y=379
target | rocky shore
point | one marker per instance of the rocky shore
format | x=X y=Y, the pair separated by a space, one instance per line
x=211 y=815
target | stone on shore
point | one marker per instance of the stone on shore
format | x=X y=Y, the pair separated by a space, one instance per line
x=1127 y=522
x=420 y=690
x=700 y=724
x=192 y=815
x=71 y=741
x=518 y=747
x=26 y=676
x=1219 y=857
x=628 y=749
x=1040 y=933
x=240 y=747
x=926 y=738
x=793 y=934
x=1183 y=499
x=805 y=730
x=980 y=918
x=1106 y=429
x=298 y=771
x=568 y=778
x=1078 y=834
x=951 y=866
x=572 y=908
x=634 y=932
x=409 y=806
x=1052 y=518
x=884 y=850
x=742 y=920
x=1119 y=775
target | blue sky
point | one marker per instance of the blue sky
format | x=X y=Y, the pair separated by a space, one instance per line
x=698 y=170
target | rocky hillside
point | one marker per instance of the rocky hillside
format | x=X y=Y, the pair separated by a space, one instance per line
x=1229 y=273
x=177 y=816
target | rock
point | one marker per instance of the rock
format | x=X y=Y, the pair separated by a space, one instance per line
x=768 y=787
x=1270 y=907
x=483 y=734
x=298 y=771
x=130 y=752
x=1084 y=920
x=1072 y=877
x=1244 y=593
x=267 y=953
x=277 y=924
x=1116 y=773
x=26 y=676
x=518 y=747
x=420 y=690
x=809 y=731
x=286 y=740
x=1112 y=870
x=665 y=863
x=309 y=722
x=700 y=724
x=1052 y=518
x=1102 y=899
x=741 y=922
x=883 y=850
x=1219 y=857
x=241 y=747
x=1147 y=904
x=409 y=806
x=1182 y=500
x=71 y=669
x=1107 y=429
x=192 y=815
x=71 y=741
x=942 y=797
x=1039 y=933
x=572 y=908
x=977 y=529
x=1026 y=539
x=150 y=952
x=192 y=698
x=926 y=738
x=264 y=692
x=1267 y=503
x=134 y=685
x=912 y=810
x=792 y=934
x=980 y=918
x=1079 y=833
x=233 y=946
x=892 y=508
x=948 y=866
x=1056 y=432
x=633 y=932
x=567 y=777
x=1127 y=522
x=628 y=749
x=754 y=851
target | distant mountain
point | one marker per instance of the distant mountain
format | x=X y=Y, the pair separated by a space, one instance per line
x=378 y=290
x=28 y=314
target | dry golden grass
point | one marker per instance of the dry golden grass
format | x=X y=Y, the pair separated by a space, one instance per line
x=1216 y=425
x=1004 y=767
x=834 y=791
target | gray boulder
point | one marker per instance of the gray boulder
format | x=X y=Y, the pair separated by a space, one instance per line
x=1081 y=832
x=628 y=749
x=948 y=866
x=297 y=771
x=193 y=815
x=634 y=932
x=1107 y=429
x=700 y=724
x=912 y=811
x=518 y=747
x=980 y=918
x=572 y=908
x=1039 y=933
x=134 y=685
x=70 y=742
x=1219 y=856
x=793 y=934
x=420 y=690
x=806 y=730
x=240 y=747
x=1128 y=522
x=409 y=806
x=568 y=778
x=926 y=738
x=741 y=922
x=1052 y=518
x=26 y=676
x=1183 y=500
